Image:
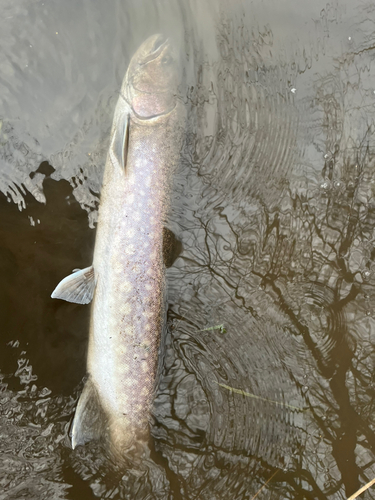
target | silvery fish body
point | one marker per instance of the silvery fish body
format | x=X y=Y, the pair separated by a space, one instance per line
x=127 y=278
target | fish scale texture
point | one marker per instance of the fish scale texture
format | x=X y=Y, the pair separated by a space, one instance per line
x=128 y=310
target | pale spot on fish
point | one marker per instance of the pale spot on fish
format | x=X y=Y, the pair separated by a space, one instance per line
x=148 y=327
x=148 y=181
x=123 y=369
x=152 y=220
x=148 y=286
x=130 y=233
x=144 y=366
x=129 y=330
x=144 y=391
x=137 y=216
x=130 y=250
x=126 y=286
x=148 y=314
x=130 y=198
x=117 y=267
x=121 y=350
x=126 y=309
x=123 y=399
x=137 y=269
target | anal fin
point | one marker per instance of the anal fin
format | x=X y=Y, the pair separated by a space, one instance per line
x=78 y=287
x=89 y=421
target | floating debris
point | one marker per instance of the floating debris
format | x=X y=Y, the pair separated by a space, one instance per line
x=221 y=328
x=249 y=395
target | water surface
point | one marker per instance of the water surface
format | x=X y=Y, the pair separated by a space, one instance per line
x=269 y=349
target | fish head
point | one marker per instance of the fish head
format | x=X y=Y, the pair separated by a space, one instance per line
x=151 y=82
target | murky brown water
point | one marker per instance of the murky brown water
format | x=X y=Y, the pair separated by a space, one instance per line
x=268 y=370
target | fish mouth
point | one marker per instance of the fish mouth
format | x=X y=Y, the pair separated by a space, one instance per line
x=160 y=43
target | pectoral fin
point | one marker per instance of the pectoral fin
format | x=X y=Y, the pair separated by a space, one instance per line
x=77 y=287
x=89 y=420
x=120 y=141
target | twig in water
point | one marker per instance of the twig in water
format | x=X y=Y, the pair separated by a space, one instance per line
x=249 y=395
x=361 y=490
x=265 y=484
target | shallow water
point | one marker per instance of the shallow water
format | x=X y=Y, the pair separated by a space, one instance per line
x=269 y=352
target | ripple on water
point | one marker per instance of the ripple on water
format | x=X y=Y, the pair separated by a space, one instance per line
x=233 y=391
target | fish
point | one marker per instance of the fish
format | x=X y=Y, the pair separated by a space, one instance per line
x=126 y=281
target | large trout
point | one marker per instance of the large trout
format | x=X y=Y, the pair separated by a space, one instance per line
x=127 y=279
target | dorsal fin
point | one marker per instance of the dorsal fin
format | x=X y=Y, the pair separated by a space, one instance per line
x=120 y=141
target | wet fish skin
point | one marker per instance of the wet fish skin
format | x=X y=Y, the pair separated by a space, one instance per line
x=128 y=309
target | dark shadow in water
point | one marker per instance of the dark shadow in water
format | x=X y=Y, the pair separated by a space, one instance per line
x=40 y=246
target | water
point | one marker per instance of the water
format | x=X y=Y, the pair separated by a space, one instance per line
x=269 y=352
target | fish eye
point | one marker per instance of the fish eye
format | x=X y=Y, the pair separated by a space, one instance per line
x=166 y=60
